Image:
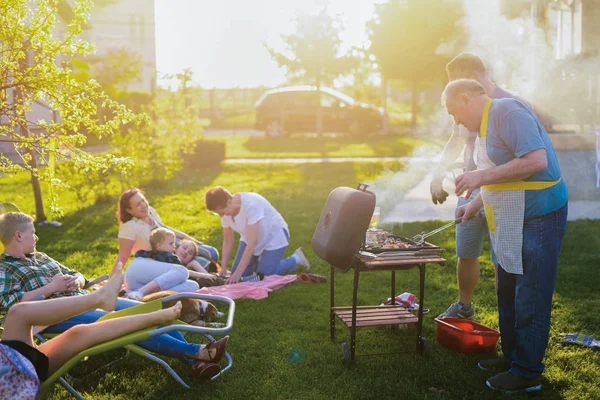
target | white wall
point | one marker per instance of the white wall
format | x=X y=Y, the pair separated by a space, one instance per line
x=128 y=24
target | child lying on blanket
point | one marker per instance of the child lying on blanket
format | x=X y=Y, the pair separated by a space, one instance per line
x=24 y=365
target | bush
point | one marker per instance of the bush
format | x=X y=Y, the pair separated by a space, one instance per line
x=203 y=154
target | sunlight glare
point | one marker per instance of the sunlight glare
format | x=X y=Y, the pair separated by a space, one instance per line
x=222 y=41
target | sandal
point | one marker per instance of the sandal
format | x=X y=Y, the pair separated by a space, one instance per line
x=304 y=278
x=205 y=370
x=220 y=346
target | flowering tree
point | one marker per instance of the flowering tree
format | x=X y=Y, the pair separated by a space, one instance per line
x=44 y=109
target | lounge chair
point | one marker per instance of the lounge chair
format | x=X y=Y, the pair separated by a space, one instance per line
x=128 y=341
x=8 y=207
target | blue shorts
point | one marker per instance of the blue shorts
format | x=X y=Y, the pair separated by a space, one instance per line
x=470 y=235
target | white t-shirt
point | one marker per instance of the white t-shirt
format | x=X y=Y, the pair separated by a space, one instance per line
x=271 y=225
x=139 y=231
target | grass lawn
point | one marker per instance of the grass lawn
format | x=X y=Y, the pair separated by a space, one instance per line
x=294 y=319
x=329 y=146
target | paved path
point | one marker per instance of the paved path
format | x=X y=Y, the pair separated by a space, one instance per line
x=406 y=159
x=578 y=171
x=416 y=205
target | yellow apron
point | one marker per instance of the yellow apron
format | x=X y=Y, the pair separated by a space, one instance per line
x=504 y=205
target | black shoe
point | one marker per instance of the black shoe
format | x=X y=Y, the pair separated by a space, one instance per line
x=509 y=383
x=494 y=364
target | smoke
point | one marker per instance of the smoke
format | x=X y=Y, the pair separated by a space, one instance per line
x=519 y=56
x=392 y=188
x=515 y=51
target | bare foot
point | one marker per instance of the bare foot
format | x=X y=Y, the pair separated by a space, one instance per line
x=168 y=315
x=110 y=291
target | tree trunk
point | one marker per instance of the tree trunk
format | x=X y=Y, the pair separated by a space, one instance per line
x=37 y=190
x=415 y=105
x=35 y=183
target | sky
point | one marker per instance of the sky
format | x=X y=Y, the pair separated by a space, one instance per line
x=221 y=41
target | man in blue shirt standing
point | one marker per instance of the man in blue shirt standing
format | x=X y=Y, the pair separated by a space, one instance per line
x=525 y=202
x=469 y=235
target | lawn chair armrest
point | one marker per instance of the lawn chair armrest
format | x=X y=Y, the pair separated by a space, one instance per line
x=199 y=329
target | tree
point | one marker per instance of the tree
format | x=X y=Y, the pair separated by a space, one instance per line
x=413 y=40
x=363 y=80
x=36 y=70
x=312 y=54
x=114 y=71
x=159 y=147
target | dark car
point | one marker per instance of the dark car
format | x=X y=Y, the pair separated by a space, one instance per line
x=294 y=109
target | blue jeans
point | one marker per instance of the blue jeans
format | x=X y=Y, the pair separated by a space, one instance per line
x=172 y=344
x=525 y=301
x=207 y=251
x=268 y=263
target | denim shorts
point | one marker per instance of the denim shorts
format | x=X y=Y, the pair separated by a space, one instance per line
x=470 y=235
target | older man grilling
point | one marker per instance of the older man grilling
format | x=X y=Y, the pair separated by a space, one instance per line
x=525 y=202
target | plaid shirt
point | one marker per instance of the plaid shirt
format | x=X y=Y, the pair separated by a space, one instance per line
x=18 y=276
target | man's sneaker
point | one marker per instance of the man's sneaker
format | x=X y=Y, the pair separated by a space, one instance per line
x=509 y=383
x=255 y=277
x=459 y=310
x=494 y=363
x=301 y=260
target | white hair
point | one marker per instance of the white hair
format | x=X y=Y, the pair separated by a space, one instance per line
x=458 y=87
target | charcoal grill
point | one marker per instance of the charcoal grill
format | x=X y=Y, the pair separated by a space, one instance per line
x=339 y=239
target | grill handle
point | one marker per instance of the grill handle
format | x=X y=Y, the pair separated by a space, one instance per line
x=362 y=187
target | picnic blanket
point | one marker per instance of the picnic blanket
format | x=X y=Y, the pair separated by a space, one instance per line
x=250 y=290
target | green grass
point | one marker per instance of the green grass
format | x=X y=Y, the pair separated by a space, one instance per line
x=328 y=146
x=295 y=318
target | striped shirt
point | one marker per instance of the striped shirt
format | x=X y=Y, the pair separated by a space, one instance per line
x=18 y=275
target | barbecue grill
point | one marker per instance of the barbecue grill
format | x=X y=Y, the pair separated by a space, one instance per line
x=340 y=239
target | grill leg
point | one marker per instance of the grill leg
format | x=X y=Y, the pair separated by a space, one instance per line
x=420 y=345
x=354 y=304
x=331 y=303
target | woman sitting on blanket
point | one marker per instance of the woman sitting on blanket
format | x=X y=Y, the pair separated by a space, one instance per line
x=264 y=235
x=138 y=219
x=162 y=268
x=24 y=365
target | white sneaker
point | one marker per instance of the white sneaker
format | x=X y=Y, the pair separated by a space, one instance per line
x=302 y=260
x=135 y=295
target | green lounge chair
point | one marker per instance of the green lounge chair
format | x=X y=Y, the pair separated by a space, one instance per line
x=128 y=341
x=8 y=207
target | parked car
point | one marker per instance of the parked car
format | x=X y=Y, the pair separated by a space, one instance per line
x=294 y=109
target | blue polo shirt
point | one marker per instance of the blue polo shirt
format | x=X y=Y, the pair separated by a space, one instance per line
x=513 y=131
x=469 y=137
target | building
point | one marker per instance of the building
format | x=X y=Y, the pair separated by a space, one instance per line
x=128 y=25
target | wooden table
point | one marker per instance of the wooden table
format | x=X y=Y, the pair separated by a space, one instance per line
x=359 y=316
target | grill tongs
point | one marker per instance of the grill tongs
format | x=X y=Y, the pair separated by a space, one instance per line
x=420 y=238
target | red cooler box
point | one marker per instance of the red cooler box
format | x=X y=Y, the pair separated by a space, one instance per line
x=343 y=225
x=466 y=336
